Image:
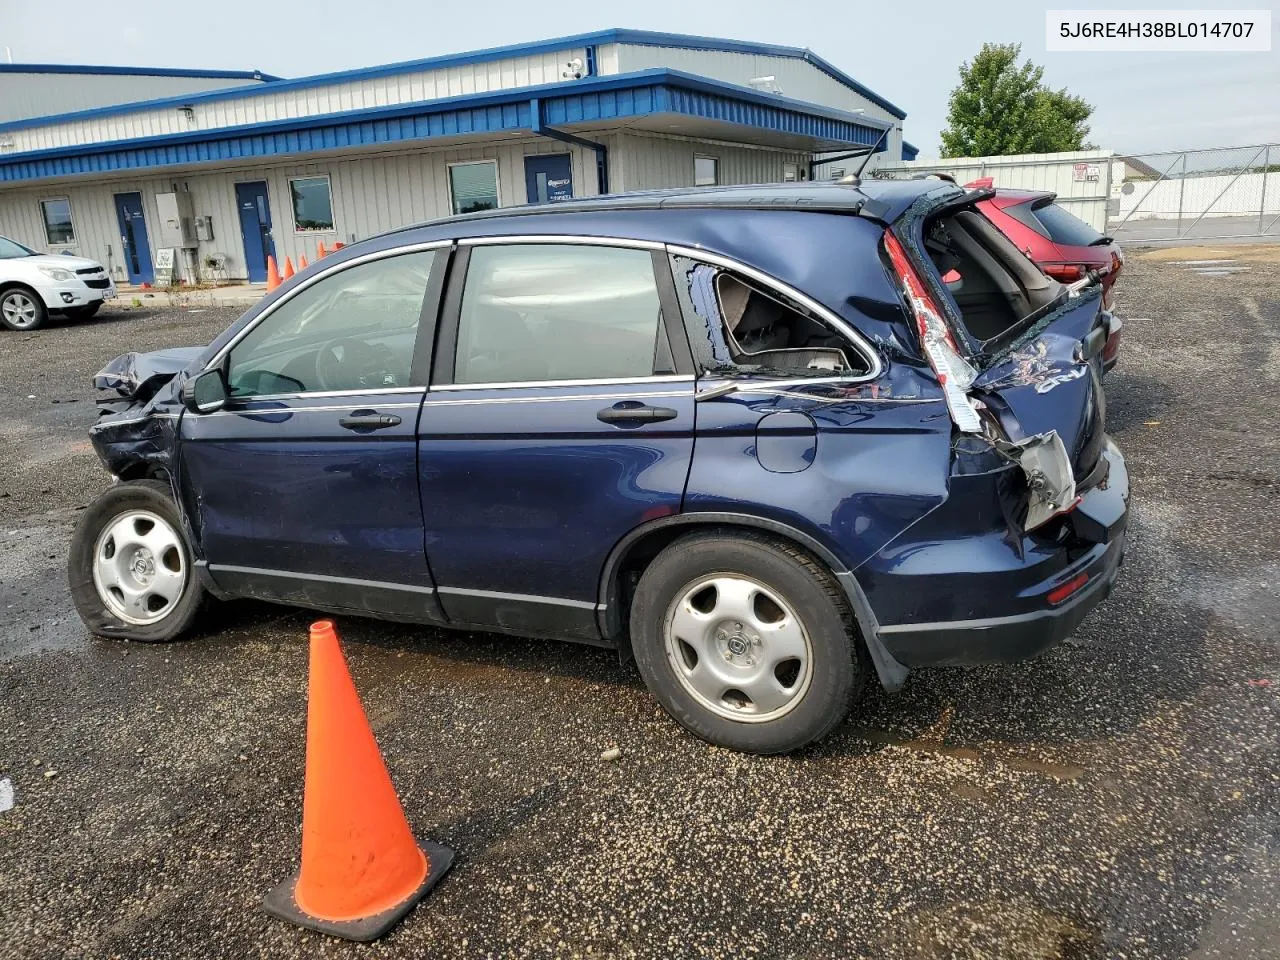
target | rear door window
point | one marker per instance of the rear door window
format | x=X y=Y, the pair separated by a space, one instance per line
x=739 y=324
x=554 y=311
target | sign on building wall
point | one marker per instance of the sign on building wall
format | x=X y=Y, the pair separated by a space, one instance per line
x=1085 y=173
x=164 y=267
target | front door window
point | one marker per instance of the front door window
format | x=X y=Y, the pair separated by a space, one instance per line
x=354 y=330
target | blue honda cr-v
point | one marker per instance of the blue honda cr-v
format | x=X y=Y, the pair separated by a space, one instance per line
x=747 y=435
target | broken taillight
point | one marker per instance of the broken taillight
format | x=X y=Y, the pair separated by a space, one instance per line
x=953 y=371
x=1111 y=349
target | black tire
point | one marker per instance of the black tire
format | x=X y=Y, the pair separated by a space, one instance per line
x=137 y=495
x=85 y=312
x=839 y=663
x=22 y=309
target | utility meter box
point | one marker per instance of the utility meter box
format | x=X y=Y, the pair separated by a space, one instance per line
x=204 y=228
x=177 y=221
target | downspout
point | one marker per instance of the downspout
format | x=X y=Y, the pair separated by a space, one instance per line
x=601 y=151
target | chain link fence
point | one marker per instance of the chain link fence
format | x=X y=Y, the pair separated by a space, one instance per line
x=1231 y=192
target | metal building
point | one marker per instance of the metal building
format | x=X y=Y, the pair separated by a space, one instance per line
x=226 y=177
x=43 y=89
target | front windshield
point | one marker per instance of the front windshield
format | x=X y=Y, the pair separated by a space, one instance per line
x=9 y=249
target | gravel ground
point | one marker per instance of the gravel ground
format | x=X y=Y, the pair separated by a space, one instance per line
x=1116 y=798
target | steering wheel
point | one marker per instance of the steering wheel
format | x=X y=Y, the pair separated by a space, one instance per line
x=344 y=360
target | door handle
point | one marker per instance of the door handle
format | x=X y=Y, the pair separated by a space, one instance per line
x=365 y=420
x=634 y=413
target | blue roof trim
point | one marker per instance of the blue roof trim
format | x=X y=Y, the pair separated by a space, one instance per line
x=909 y=151
x=639 y=37
x=615 y=97
x=135 y=71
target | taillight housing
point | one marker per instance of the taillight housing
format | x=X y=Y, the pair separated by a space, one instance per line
x=1111 y=349
x=1064 y=272
x=953 y=371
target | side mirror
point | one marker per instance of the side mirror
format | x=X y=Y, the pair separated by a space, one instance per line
x=205 y=393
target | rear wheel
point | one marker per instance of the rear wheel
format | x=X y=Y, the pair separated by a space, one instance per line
x=130 y=568
x=747 y=642
x=22 y=309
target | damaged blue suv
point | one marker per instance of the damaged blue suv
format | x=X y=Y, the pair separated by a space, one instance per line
x=748 y=436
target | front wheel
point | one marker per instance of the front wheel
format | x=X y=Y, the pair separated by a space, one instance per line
x=22 y=309
x=746 y=642
x=130 y=569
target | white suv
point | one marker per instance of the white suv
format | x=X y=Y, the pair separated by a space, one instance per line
x=34 y=285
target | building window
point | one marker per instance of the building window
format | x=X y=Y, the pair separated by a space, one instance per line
x=312 y=204
x=57 y=221
x=474 y=186
x=706 y=171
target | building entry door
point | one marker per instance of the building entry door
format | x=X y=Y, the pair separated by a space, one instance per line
x=548 y=178
x=133 y=238
x=255 y=227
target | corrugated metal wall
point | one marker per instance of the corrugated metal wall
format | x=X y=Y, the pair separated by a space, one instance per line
x=1085 y=198
x=25 y=95
x=371 y=194
x=650 y=162
x=332 y=98
x=795 y=78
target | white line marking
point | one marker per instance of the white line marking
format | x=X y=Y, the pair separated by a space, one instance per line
x=6 y=795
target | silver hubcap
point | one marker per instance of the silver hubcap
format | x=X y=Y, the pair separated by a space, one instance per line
x=738 y=648
x=138 y=567
x=19 y=310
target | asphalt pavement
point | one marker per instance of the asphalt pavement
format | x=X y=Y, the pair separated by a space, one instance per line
x=1116 y=798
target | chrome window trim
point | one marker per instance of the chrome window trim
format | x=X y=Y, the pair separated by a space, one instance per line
x=628 y=242
x=321 y=394
x=596 y=397
x=263 y=411
x=221 y=355
x=864 y=346
x=772 y=389
x=595 y=382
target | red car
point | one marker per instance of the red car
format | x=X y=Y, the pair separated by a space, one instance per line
x=1062 y=245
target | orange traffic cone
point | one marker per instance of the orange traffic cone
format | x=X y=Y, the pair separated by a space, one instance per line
x=273 y=275
x=288 y=268
x=302 y=262
x=361 y=871
x=320 y=250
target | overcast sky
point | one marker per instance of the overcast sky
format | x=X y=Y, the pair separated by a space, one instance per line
x=907 y=51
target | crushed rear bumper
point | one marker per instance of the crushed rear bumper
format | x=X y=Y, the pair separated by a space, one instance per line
x=1101 y=519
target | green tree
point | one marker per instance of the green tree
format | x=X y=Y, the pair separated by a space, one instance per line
x=1000 y=108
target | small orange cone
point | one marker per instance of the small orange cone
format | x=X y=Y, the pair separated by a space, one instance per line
x=320 y=250
x=302 y=262
x=288 y=268
x=361 y=871
x=273 y=275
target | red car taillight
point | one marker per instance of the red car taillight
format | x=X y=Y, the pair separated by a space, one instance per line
x=1064 y=272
